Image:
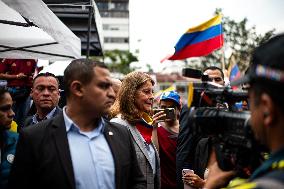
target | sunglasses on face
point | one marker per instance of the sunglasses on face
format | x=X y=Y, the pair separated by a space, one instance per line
x=5 y=108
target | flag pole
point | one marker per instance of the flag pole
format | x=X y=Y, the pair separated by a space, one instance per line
x=223 y=61
x=223 y=58
x=223 y=48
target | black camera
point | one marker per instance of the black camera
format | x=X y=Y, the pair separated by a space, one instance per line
x=233 y=139
x=229 y=129
x=197 y=74
x=208 y=94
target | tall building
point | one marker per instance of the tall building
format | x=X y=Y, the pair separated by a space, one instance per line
x=115 y=20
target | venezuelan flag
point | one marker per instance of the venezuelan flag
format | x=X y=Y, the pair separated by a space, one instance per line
x=200 y=40
x=234 y=72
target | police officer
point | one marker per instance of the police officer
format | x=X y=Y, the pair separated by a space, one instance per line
x=266 y=79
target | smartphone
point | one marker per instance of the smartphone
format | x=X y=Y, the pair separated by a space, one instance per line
x=170 y=113
x=184 y=171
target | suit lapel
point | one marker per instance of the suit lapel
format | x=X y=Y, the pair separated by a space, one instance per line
x=109 y=134
x=62 y=147
x=137 y=138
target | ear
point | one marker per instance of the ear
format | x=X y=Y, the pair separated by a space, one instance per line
x=76 y=88
x=268 y=109
x=31 y=93
x=58 y=92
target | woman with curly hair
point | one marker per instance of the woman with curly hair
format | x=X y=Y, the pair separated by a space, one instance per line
x=132 y=108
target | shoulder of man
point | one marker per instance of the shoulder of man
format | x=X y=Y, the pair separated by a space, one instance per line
x=116 y=125
x=119 y=121
x=58 y=110
x=39 y=130
x=272 y=180
x=28 y=121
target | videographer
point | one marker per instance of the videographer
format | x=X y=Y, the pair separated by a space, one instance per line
x=189 y=137
x=205 y=155
x=215 y=75
x=266 y=80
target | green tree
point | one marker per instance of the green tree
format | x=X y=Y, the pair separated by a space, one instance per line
x=119 y=61
x=150 y=69
x=239 y=39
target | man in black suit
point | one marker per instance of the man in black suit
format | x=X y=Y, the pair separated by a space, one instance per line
x=78 y=149
x=45 y=94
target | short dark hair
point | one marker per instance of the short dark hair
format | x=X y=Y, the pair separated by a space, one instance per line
x=81 y=70
x=46 y=74
x=270 y=55
x=215 y=68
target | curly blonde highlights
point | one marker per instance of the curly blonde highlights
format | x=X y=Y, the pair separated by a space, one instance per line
x=125 y=101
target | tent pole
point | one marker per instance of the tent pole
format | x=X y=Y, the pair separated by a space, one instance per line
x=15 y=23
x=8 y=48
x=33 y=51
x=89 y=28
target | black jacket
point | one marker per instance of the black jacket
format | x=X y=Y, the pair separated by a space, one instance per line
x=189 y=136
x=29 y=120
x=201 y=156
x=43 y=158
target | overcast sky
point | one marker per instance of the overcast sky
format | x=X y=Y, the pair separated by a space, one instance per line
x=156 y=25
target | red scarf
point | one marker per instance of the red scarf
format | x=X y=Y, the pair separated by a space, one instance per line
x=145 y=131
x=145 y=128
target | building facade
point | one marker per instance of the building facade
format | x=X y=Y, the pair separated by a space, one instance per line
x=115 y=21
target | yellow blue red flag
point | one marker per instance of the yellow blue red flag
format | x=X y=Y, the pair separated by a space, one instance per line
x=200 y=40
x=234 y=72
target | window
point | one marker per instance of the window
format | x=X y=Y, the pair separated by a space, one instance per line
x=116 y=40
x=114 y=14
x=115 y=27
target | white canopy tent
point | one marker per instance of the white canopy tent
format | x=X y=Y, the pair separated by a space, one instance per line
x=57 y=68
x=30 y=30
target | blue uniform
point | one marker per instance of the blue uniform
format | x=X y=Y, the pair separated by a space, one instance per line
x=7 y=156
x=270 y=175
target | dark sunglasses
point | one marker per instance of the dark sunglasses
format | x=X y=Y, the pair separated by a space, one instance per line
x=5 y=108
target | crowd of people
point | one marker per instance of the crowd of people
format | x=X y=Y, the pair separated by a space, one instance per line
x=110 y=134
